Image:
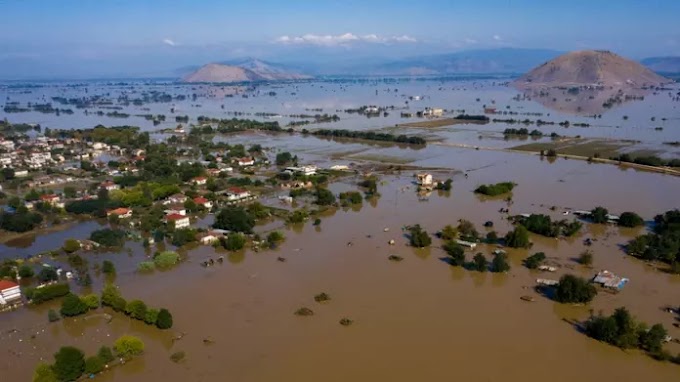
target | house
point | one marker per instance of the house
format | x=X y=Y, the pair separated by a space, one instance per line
x=51 y=199
x=424 y=180
x=304 y=170
x=176 y=209
x=9 y=291
x=122 y=213
x=433 y=112
x=201 y=201
x=339 y=167
x=245 y=161
x=21 y=173
x=199 y=180
x=175 y=199
x=109 y=186
x=236 y=194
x=489 y=110
x=208 y=238
x=178 y=221
x=609 y=280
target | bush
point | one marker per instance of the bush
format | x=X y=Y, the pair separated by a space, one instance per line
x=233 y=242
x=128 y=346
x=108 y=237
x=586 y=258
x=599 y=215
x=136 y=309
x=234 y=219
x=456 y=253
x=93 y=365
x=146 y=266
x=533 y=261
x=518 y=238
x=73 y=306
x=630 y=219
x=71 y=245
x=275 y=237
x=164 y=320
x=44 y=373
x=26 y=271
x=500 y=263
x=91 y=300
x=479 y=263
x=151 y=316
x=419 y=238
x=111 y=297
x=47 y=274
x=324 y=197
x=351 y=198
x=105 y=354
x=69 y=363
x=46 y=293
x=573 y=289
x=495 y=189
x=166 y=259
x=52 y=316
x=108 y=268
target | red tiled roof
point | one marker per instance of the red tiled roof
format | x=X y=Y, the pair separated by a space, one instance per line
x=236 y=190
x=119 y=211
x=6 y=284
x=200 y=200
x=48 y=197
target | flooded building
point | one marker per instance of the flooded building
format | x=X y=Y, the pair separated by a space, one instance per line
x=9 y=291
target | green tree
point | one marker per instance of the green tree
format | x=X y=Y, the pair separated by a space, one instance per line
x=44 y=373
x=283 y=158
x=419 y=237
x=573 y=289
x=456 y=253
x=652 y=339
x=586 y=258
x=93 y=365
x=136 y=309
x=151 y=316
x=599 y=215
x=479 y=263
x=630 y=219
x=500 y=263
x=108 y=267
x=324 y=197
x=164 y=320
x=128 y=346
x=91 y=300
x=518 y=238
x=69 y=363
x=533 y=261
x=72 y=305
x=234 y=219
x=105 y=354
x=26 y=271
x=166 y=259
x=47 y=274
x=52 y=316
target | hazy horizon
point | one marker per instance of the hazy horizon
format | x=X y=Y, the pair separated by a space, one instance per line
x=124 y=38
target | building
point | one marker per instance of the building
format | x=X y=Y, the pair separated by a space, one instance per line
x=201 y=201
x=609 y=280
x=304 y=170
x=122 y=213
x=208 y=238
x=109 y=186
x=200 y=180
x=433 y=112
x=21 y=173
x=51 y=199
x=9 y=292
x=424 y=180
x=176 y=209
x=245 y=162
x=237 y=194
x=175 y=199
x=178 y=221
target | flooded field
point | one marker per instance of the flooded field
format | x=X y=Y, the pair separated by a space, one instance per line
x=418 y=319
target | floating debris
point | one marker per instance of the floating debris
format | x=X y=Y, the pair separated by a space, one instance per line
x=391 y=242
x=281 y=259
x=346 y=322
x=322 y=297
x=304 y=312
x=177 y=356
x=395 y=258
x=528 y=298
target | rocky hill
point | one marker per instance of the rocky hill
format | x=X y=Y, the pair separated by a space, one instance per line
x=242 y=71
x=590 y=68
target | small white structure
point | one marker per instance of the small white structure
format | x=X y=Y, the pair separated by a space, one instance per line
x=200 y=180
x=467 y=244
x=109 y=186
x=304 y=170
x=9 y=291
x=236 y=194
x=201 y=201
x=424 y=180
x=243 y=162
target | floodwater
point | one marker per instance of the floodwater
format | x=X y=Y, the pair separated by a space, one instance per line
x=418 y=319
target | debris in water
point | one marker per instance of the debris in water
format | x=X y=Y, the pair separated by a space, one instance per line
x=346 y=322
x=304 y=312
x=322 y=297
x=395 y=258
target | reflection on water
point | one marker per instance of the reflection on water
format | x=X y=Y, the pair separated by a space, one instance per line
x=586 y=101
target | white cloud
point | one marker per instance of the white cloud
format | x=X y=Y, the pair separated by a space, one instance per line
x=170 y=42
x=343 y=39
x=497 y=37
x=470 y=41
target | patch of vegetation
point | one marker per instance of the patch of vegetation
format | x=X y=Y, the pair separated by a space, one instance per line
x=304 y=312
x=622 y=330
x=535 y=260
x=518 y=238
x=322 y=297
x=107 y=237
x=419 y=237
x=46 y=293
x=663 y=244
x=574 y=290
x=495 y=189
x=543 y=225
x=500 y=263
x=370 y=136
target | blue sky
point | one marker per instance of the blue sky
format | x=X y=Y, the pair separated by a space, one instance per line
x=144 y=36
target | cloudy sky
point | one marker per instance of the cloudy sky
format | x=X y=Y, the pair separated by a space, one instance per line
x=144 y=37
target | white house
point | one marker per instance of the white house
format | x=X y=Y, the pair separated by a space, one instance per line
x=9 y=291
x=122 y=213
x=201 y=201
x=200 y=180
x=424 y=179
x=208 y=238
x=304 y=170
x=246 y=162
x=21 y=173
x=235 y=194
x=109 y=186
x=179 y=221
x=177 y=209
x=176 y=199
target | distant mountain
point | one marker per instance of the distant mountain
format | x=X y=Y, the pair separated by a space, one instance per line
x=503 y=60
x=245 y=70
x=590 y=67
x=663 y=64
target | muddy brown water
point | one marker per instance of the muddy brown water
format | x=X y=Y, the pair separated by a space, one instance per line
x=418 y=319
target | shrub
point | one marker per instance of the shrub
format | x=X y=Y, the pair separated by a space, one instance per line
x=136 y=309
x=164 y=320
x=518 y=238
x=46 y=293
x=533 y=261
x=166 y=259
x=128 y=346
x=52 y=316
x=26 y=271
x=73 y=306
x=418 y=237
x=108 y=237
x=108 y=268
x=151 y=316
x=47 y=274
x=500 y=263
x=177 y=356
x=586 y=258
x=630 y=219
x=479 y=263
x=573 y=289
x=146 y=266
x=69 y=363
x=44 y=373
x=351 y=197
x=91 y=300
x=599 y=215
x=105 y=354
x=71 y=245
x=456 y=253
x=495 y=189
x=93 y=365
x=233 y=242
